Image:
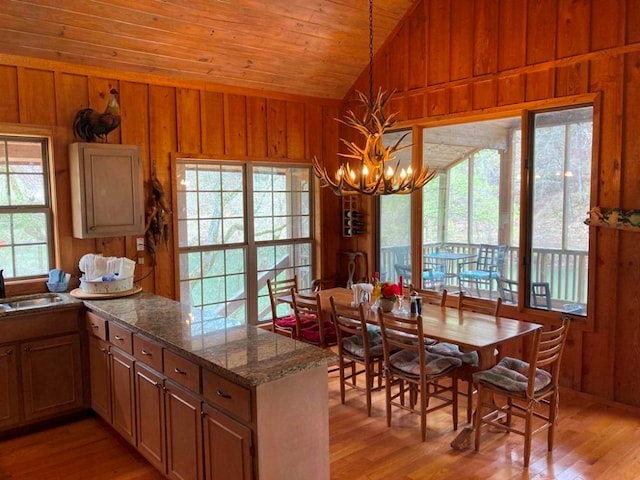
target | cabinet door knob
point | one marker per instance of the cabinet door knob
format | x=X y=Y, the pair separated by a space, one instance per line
x=93 y=325
x=178 y=371
x=118 y=337
x=144 y=352
x=222 y=394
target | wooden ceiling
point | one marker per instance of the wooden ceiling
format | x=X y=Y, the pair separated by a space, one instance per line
x=309 y=47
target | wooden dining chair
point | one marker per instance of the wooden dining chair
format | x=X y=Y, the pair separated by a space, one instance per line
x=282 y=323
x=470 y=360
x=311 y=325
x=529 y=388
x=414 y=372
x=359 y=351
x=434 y=297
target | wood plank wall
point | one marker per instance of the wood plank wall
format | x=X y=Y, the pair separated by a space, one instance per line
x=163 y=117
x=448 y=57
x=465 y=57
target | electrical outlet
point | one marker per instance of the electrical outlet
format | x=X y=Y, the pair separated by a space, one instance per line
x=140 y=244
x=140 y=260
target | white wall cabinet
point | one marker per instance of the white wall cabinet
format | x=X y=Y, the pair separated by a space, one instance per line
x=106 y=190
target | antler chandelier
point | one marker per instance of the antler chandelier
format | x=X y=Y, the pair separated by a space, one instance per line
x=378 y=172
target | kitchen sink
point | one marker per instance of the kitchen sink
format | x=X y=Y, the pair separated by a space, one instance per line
x=27 y=302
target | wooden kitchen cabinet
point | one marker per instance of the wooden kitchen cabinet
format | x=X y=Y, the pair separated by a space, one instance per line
x=100 y=378
x=51 y=376
x=112 y=376
x=106 y=190
x=150 y=416
x=41 y=371
x=9 y=399
x=184 y=433
x=123 y=410
x=227 y=446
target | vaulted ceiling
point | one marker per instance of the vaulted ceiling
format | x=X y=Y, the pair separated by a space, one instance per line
x=310 y=47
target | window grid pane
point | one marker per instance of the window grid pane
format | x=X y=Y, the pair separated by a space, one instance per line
x=25 y=233
x=211 y=217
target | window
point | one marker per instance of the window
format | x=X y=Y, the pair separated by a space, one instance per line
x=211 y=239
x=395 y=221
x=26 y=238
x=238 y=225
x=475 y=201
x=282 y=228
x=560 y=190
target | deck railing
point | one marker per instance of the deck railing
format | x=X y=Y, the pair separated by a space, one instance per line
x=564 y=270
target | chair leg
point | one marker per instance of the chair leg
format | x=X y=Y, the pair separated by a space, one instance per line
x=387 y=388
x=341 y=368
x=527 y=436
x=478 y=419
x=553 y=412
x=469 y=400
x=424 y=400
x=369 y=382
x=454 y=397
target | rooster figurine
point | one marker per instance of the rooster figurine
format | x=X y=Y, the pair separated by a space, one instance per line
x=89 y=124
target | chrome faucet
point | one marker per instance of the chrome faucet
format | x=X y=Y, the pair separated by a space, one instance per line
x=2 y=295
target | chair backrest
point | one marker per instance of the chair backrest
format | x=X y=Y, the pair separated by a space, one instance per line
x=306 y=307
x=508 y=290
x=547 y=354
x=480 y=305
x=350 y=321
x=491 y=257
x=541 y=295
x=434 y=297
x=403 y=271
x=401 y=333
x=279 y=288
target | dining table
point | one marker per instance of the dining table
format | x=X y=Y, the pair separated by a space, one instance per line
x=450 y=260
x=471 y=331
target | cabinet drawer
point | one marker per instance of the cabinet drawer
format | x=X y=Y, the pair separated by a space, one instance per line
x=97 y=326
x=147 y=351
x=230 y=396
x=121 y=337
x=181 y=370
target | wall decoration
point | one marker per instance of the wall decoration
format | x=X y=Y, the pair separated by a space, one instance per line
x=614 y=218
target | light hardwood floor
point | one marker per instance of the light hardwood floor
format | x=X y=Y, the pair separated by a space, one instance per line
x=595 y=440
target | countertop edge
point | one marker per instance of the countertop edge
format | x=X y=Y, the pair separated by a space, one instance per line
x=308 y=357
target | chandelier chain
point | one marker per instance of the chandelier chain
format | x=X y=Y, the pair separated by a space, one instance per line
x=370 y=48
x=372 y=167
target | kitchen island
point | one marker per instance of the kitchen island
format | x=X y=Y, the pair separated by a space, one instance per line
x=254 y=404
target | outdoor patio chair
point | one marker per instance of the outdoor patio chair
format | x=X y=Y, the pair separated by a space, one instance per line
x=541 y=295
x=507 y=290
x=482 y=271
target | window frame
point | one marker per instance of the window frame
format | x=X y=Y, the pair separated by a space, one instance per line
x=524 y=239
x=10 y=132
x=249 y=245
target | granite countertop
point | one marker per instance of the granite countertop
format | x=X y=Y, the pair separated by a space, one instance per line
x=245 y=354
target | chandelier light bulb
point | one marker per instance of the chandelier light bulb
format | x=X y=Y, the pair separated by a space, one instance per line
x=389 y=172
